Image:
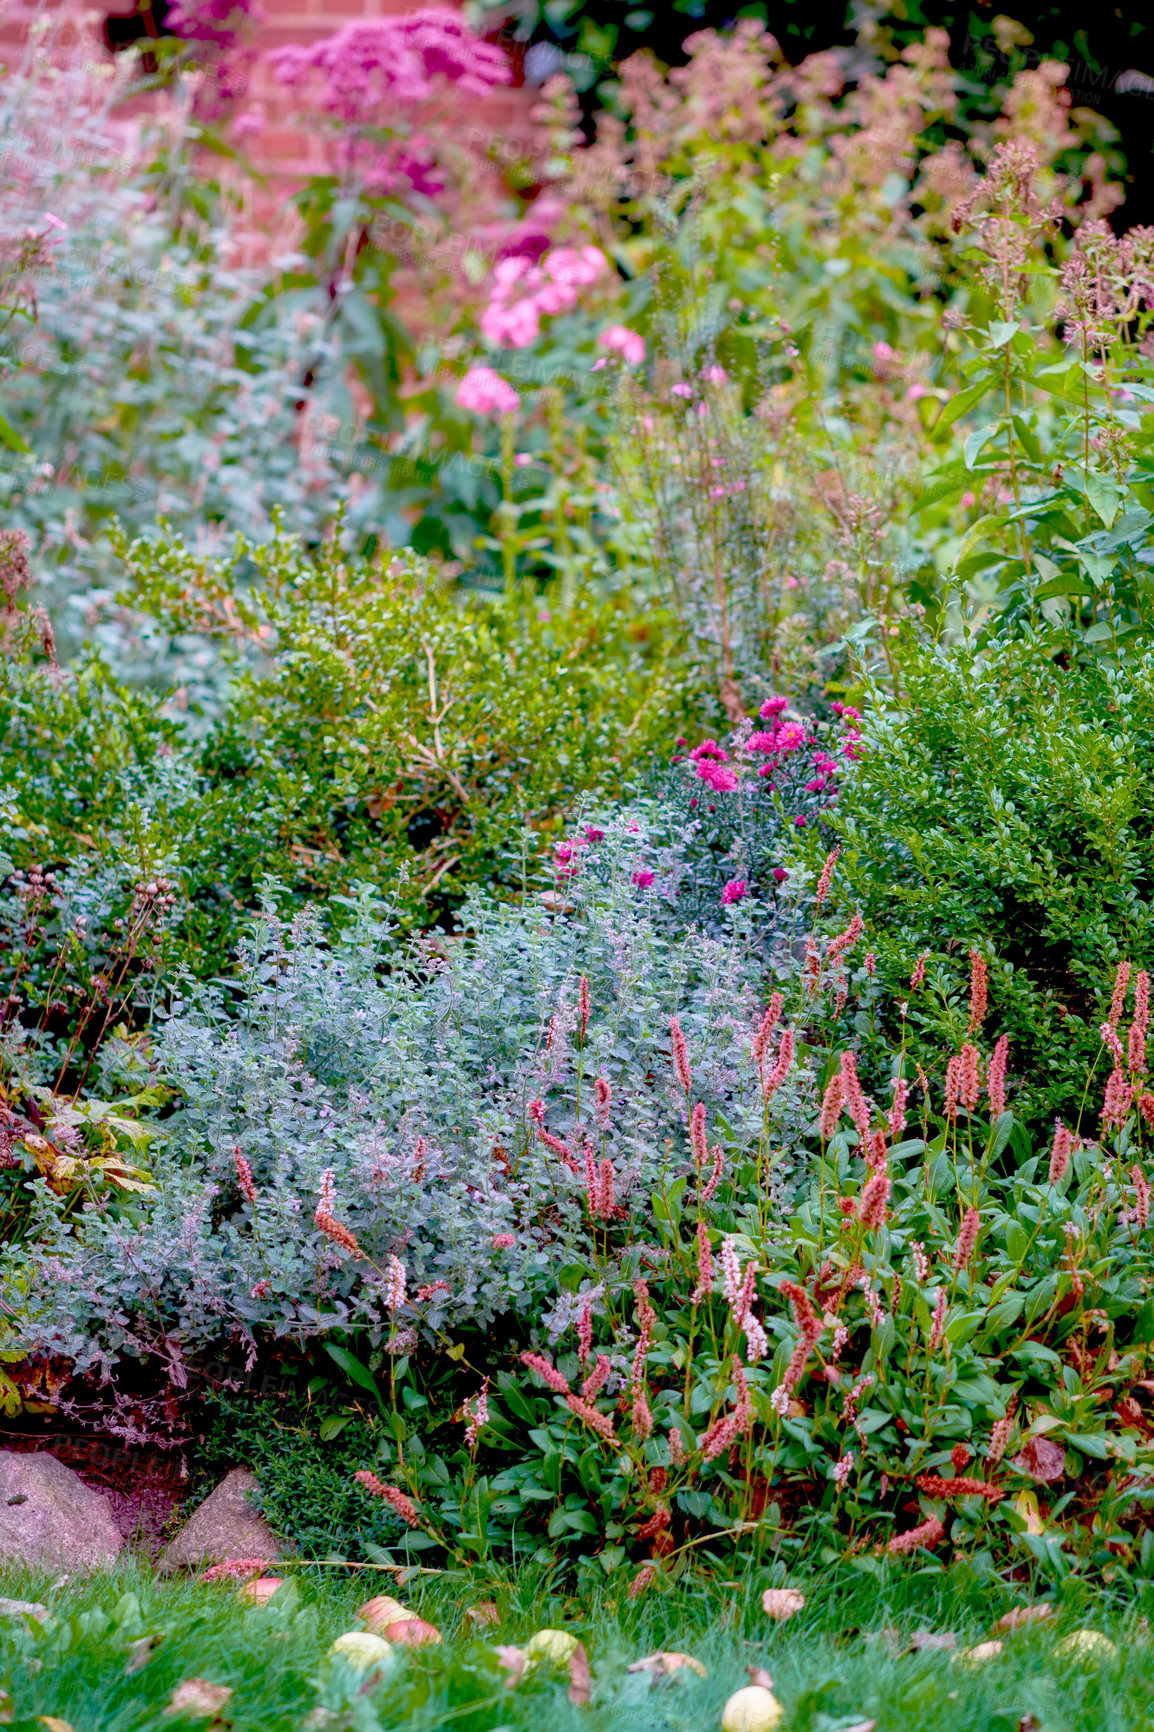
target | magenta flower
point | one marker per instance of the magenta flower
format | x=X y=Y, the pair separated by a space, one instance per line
x=643 y=879
x=735 y=891
x=592 y=835
x=780 y=873
x=800 y=822
x=772 y=707
x=486 y=393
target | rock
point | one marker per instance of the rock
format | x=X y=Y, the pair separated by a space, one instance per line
x=23 y=1608
x=224 y=1526
x=50 y=1519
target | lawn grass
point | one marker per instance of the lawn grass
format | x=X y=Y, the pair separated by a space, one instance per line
x=843 y=1660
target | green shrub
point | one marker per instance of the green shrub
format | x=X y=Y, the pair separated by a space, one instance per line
x=377 y=729
x=1002 y=801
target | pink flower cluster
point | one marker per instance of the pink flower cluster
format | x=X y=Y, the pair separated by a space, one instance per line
x=372 y=66
x=220 y=22
x=523 y=292
x=629 y=344
x=486 y=393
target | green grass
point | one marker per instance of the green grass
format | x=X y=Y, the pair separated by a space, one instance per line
x=832 y=1665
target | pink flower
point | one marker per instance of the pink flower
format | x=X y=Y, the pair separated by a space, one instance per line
x=372 y=66
x=486 y=393
x=476 y=1414
x=979 y=978
x=697 y=1137
x=244 y=1178
x=602 y=1101
x=780 y=874
x=734 y=891
x=502 y=1241
x=404 y=1506
x=262 y=1290
x=1118 y=1000
x=1136 y=1046
x=772 y=707
x=967 y=1238
x=681 y=390
x=823 y=882
x=680 y=1054
x=715 y=375
x=996 y=1077
x=630 y=345
x=549 y=1373
x=643 y=878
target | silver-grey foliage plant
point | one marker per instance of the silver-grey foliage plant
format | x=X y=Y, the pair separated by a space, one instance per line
x=394 y=1090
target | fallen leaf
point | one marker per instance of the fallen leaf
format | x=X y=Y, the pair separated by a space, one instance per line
x=1028 y=1724
x=977 y=1656
x=759 y=1675
x=140 y=1653
x=1021 y=1615
x=887 y=1636
x=928 y=1641
x=513 y=1661
x=580 y=1681
x=1026 y=1504
x=781 y=1603
x=199 y=1699
x=1042 y=1459
x=862 y=1726
x=665 y=1665
x=485 y=1613
x=53 y=1724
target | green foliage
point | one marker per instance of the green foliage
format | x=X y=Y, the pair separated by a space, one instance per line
x=378 y=727
x=1001 y=802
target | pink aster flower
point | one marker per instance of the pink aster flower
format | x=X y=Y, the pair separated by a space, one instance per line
x=734 y=891
x=643 y=878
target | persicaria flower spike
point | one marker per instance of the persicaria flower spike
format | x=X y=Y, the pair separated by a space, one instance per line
x=927 y=1533
x=781 y=1069
x=1118 y=998
x=602 y=1101
x=697 y=1136
x=680 y=1056
x=769 y=1022
x=823 y=882
x=1136 y=1046
x=874 y=1197
x=854 y=1098
x=831 y=1106
x=583 y=1005
x=394 y=1284
x=554 y=1378
x=715 y=1175
x=244 y=1178
x=967 y=1238
x=404 y=1506
x=1060 y=1154
x=979 y=984
x=996 y=1077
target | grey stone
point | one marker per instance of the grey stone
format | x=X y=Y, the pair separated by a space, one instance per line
x=224 y=1526
x=23 y=1608
x=49 y=1518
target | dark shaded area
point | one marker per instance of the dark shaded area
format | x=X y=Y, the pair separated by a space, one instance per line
x=147 y=22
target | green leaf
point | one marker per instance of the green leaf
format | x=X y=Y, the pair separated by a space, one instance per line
x=10 y=437
x=354 y=1369
x=964 y=401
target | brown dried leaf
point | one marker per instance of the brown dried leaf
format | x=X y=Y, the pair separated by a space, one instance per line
x=781 y=1603
x=759 y=1675
x=667 y=1665
x=1042 y=1459
x=1028 y=1724
x=140 y=1653
x=199 y=1699
x=485 y=1613
x=1021 y=1615
x=927 y=1641
x=580 y=1681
